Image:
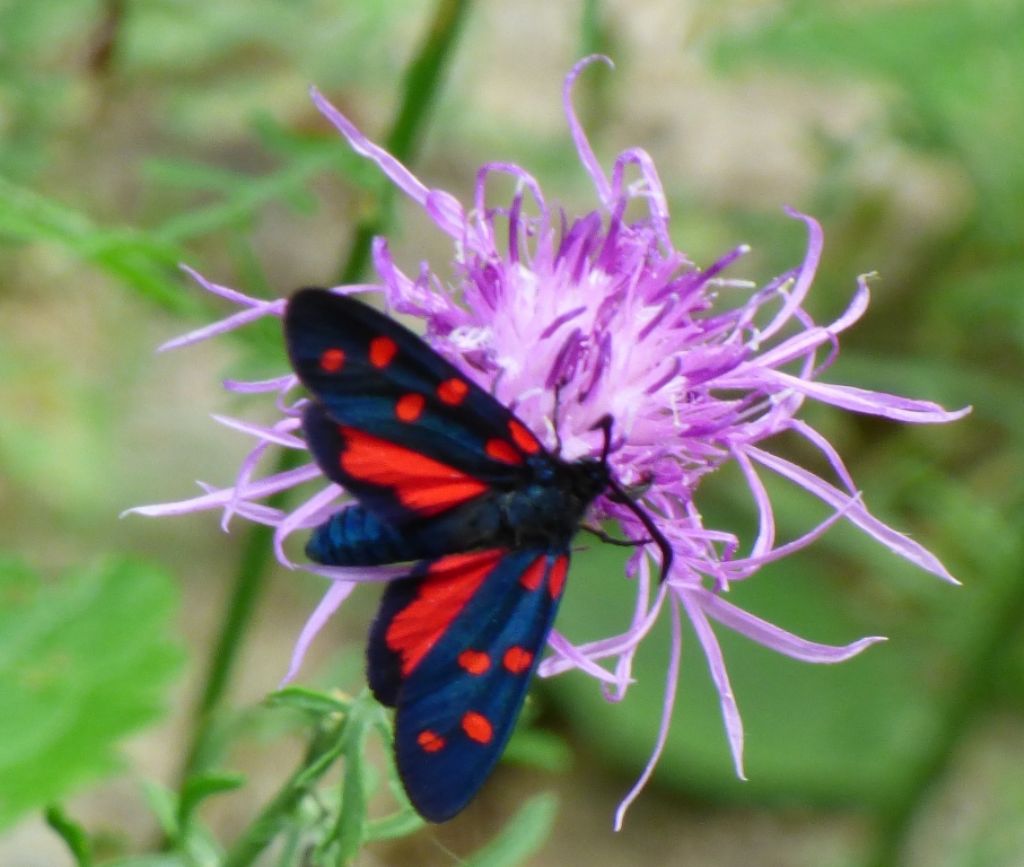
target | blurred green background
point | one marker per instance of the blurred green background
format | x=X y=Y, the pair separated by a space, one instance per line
x=136 y=134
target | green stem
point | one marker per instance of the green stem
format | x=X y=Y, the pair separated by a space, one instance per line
x=594 y=36
x=326 y=747
x=73 y=834
x=969 y=697
x=422 y=82
x=592 y=90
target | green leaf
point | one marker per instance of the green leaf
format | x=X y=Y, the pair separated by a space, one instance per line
x=193 y=843
x=278 y=815
x=521 y=838
x=399 y=824
x=200 y=787
x=164 y=805
x=349 y=832
x=83 y=662
x=145 y=264
x=72 y=833
x=242 y=204
x=308 y=701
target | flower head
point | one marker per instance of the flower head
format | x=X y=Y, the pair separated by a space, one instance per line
x=568 y=319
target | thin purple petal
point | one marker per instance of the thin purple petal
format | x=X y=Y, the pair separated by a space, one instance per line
x=579 y=137
x=237 y=320
x=773 y=637
x=716 y=667
x=896 y=542
x=277 y=434
x=668 y=705
x=336 y=594
x=862 y=400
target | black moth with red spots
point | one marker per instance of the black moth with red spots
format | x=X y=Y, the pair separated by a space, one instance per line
x=446 y=476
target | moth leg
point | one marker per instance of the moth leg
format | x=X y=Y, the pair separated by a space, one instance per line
x=611 y=540
x=657 y=537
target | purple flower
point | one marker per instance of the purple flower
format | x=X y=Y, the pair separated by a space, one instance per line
x=696 y=371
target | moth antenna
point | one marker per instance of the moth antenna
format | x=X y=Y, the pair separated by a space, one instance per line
x=606 y=449
x=605 y=424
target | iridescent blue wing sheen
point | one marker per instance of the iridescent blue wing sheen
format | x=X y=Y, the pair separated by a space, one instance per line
x=453 y=649
x=392 y=421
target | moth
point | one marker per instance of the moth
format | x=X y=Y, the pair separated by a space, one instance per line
x=448 y=479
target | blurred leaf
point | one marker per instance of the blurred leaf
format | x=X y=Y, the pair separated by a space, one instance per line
x=348 y=835
x=986 y=797
x=978 y=296
x=164 y=805
x=400 y=824
x=308 y=701
x=145 y=264
x=242 y=201
x=192 y=841
x=202 y=786
x=82 y=663
x=71 y=833
x=538 y=748
x=836 y=734
x=521 y=838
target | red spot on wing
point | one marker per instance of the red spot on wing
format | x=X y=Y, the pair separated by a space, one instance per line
x=474 y=661
x=430 y=741
x=453 y=391
x=332 y=360
x=503 y=451
x=517 y=659
x=449 y=584
x=533 y=574
x=421 y=484
x=523 y=438
x=477 y=727
x=382 y=351
x=410 y=406
x=558 y=572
